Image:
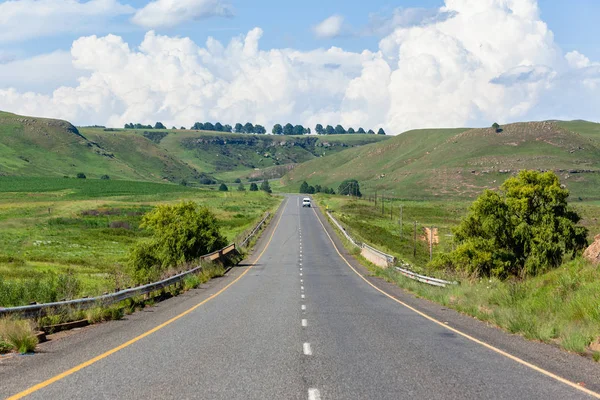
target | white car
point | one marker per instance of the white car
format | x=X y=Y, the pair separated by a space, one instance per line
x=306 y=202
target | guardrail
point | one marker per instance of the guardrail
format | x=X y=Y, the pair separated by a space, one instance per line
x=40 y=310
x=341 y=228
x=256 y=228
x=424 y=279
x=392 y=260
x=389 y=259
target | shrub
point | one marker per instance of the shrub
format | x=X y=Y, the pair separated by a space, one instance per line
x=105 y=177
x=238 y=180
x=19 y=334
x=241 y=187
x=253 y=187
x=350 y=187
x=525 y=229
x=5 y=347
x=81 y=175
x=265 y=187
x=223 y=188
x=180 y=233
x=120 y=225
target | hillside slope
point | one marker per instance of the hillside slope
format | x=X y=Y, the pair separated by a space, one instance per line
x=32 y=146
x=460 y=163
x=47 y=147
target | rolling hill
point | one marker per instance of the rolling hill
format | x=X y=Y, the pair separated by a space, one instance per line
x=460 y=163
x=32 y=146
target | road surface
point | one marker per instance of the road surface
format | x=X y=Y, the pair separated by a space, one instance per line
x=299 y=323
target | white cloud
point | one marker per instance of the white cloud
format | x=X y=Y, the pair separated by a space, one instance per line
x=330 y=27
x=42 y=73
x=27 y=19
x=451 y=71
x=167 y=13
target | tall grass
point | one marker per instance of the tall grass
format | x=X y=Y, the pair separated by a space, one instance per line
x=19 y=334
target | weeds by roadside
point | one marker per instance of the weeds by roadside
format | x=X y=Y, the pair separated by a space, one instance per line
x=17 y=335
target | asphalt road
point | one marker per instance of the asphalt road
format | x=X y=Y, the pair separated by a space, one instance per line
x=298 y=324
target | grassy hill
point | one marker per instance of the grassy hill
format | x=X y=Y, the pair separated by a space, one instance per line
x=46 y=147
x=460 y=163
x=231 y=155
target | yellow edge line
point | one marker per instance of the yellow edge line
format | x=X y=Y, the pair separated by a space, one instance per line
x=81 y=366
x=471 y=338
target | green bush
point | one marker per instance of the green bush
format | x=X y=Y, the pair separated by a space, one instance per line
x=5 y=347
x=81 y=175
x=525 y=229
x=180 y=233
x=105 y=177
x=223 y=188
x=350 y=187
x=253 y=187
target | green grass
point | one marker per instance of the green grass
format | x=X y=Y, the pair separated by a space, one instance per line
x=53 y=229
x=559 y=307
x=459 y=163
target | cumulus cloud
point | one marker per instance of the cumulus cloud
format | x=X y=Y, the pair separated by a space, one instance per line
x=27 y=19
x=330 y=27
x=485 y=61
x=167 y=13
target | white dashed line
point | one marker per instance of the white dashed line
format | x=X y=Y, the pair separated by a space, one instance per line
x=304 y=323
x=303 y=307
x=301 y=280
x=307 y=349
x=301 y=287
x=313 y=394
x=301 y=296
x=300 y=273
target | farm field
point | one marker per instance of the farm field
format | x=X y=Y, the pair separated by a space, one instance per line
x=83 y=228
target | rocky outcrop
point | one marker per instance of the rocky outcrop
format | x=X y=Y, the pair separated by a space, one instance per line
x=592 y=253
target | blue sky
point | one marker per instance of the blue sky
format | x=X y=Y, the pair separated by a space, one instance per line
x=575 y=25
x=399 y=65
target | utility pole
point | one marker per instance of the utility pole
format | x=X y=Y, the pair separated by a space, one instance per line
x=401 y=212
x=375 y=198
x=382 y=203
x=430 y=243
x=415 y=241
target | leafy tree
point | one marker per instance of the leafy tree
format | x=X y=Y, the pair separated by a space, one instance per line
x=331 y=191
x=299 y=130
x=238 y=180
x=304 y=187
x=241 y=187
x=227 y=128
x=209 y=126
x=311 y=190
x=329 y=130
x=265 y=187
x=259 y=129
x=371 y=132
x=351 y=130
x=239 y=128
x=288 y=129
x=381 y=131
x=183 y=182
x=248 y=128
x=182 y=128
x=218 y=127
x=180 y=233
x=361 y=130
x=318 y=188
x=206 y=180
x=350 y=187
x=223 y=187
x=159 y=125
x=319 y=129
x=129 y=126
x=524 y=229
x=307 y=131
x=105 y=177
x=277 y=129
x=198 y=126
x=174 y=128
x=253 y=187
x=81 y=175
x=497 y=127
x=339 y=129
